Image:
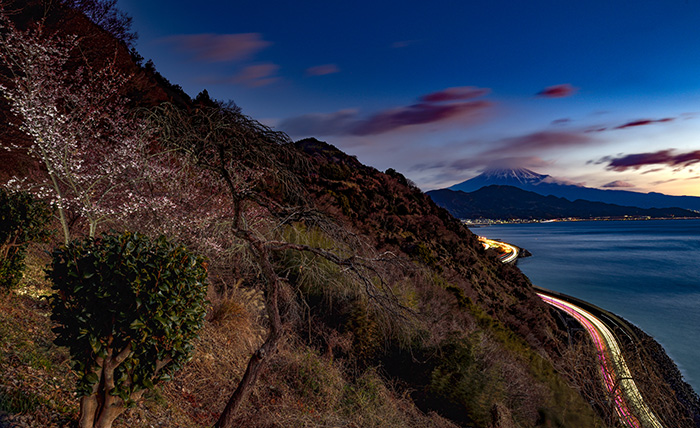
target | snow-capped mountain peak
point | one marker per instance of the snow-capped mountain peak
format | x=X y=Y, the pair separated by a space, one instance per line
x=521 y=175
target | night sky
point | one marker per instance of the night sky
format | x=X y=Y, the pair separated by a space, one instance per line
x=602 y=93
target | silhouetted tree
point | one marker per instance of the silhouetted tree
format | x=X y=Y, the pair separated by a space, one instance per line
x=251 y=170
x=106 y=14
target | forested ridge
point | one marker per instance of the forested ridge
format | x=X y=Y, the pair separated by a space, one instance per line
x=197 y=268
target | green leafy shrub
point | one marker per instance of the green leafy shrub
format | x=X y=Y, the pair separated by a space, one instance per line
x=128 y=309
x=464 y=378
x=22 y=220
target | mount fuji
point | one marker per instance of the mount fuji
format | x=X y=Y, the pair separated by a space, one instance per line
x=547 y=185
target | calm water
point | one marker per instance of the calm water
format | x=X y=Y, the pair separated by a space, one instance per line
x=645 y=271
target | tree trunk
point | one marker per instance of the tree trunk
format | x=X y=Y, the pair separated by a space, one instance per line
x=88 y=408
x=257 y=360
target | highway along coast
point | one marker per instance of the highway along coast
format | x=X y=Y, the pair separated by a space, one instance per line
x=609 y=334
x=630 y=407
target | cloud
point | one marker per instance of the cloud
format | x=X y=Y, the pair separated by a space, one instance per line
x=670 y=180
x=431 y=109
x=543 y=140
x=218 y=47
x=558 y=91
x=322 y=70
x=257 y=75
x=453 y=94
x=453 y=170
x=642 y=122
x=562 y=121
x=618 y=184
x=662 y=157
x=633 y=124
x=337 y=123
x=515 y=152
x=417 y=114
x=402 y=44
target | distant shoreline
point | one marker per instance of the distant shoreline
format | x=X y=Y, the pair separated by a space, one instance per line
x=488 y=222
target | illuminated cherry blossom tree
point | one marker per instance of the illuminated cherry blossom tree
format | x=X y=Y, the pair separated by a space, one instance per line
x=79 y=126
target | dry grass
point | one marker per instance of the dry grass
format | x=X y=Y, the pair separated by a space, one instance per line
x=36 y=382
x=305 y=389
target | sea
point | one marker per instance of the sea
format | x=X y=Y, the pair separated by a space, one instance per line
x=646 y=271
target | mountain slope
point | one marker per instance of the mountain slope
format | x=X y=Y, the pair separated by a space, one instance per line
x=474 y=343
x=547 y=185
x=507 y=202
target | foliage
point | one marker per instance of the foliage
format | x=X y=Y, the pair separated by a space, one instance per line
x=78 y=124
x=128 y=308
x=22 y=220
x=464 y=377
x=248 y=179
x=106 y=14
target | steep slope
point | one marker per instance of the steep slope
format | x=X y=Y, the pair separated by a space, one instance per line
x=472 y=341
x=508 y=202
x=547 y=185
x=494 y=297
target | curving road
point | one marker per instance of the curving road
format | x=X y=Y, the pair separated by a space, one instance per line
x=629 y=404
x=510 y=252
x=630 y=407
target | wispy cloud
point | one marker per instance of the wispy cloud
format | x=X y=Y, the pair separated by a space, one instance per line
x=618 y=184
x=558 y=91
x=402 y=44
x=454 y=94
x=642 y=122
x=542 y=140
x=524 y=151
x=662 y=157
x=322 y=70
x=562 y=121
x=431 y=108
x=633 y=124
x=257 y=75
x=218 y=47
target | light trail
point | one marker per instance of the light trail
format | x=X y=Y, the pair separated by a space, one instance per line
x=630 y=407
x=510 y=252
x=616 y=375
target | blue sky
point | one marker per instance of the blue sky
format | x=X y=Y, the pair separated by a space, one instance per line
x=603 y=93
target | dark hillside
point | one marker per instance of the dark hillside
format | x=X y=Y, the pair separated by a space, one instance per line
x=508 y=202
x=146 y=87
x=399 y=216
x=384 y=310
x=485 y=294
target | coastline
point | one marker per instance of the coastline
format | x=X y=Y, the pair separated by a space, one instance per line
x=488 y=222
x=650 y=352
x=645 y=271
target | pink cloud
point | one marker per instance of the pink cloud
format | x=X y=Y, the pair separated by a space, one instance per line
x=322 y=70
x=558 y=91
x=633 y=124
x=642 y=122
x=453 y=94
x=618 y=184
x=218 y=47
x=416 y=114
x=349 y=122
x=662 y=157
x=257 y=75
x=544 y=140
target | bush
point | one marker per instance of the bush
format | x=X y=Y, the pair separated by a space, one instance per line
x=22 y=220
x=128 y=309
